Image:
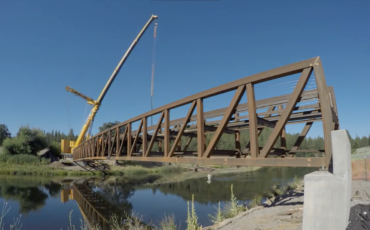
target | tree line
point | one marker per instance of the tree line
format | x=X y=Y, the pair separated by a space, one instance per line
x=31 y=140
x=227 y=141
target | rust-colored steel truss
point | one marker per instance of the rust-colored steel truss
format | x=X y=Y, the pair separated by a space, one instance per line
x=95 y=208
x=122 y=143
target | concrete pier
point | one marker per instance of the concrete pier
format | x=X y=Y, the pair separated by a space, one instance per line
x=327 y=196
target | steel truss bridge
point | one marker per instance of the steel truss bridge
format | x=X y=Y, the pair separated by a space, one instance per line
x=122 y=143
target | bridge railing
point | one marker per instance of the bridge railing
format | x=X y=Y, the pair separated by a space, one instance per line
x=121 y=142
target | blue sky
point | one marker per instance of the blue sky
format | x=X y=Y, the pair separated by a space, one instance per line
x=48 y=45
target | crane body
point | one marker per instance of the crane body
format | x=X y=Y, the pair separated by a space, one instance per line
x=68 y=146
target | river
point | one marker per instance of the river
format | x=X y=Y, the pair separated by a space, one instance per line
x=45 y=203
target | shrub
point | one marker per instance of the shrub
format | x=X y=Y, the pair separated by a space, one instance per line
x=16 y=145
x=27 y=141
x=55 y=148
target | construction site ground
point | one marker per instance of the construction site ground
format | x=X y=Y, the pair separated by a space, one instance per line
x=286 y=212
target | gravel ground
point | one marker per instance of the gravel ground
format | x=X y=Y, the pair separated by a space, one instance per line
x=287 y=212
x=359 y=217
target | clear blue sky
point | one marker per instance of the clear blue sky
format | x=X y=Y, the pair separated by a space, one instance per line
x=47 y=45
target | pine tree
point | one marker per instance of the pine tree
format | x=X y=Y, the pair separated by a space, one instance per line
x=52 y=135
x=364 y=141
x=70 y=135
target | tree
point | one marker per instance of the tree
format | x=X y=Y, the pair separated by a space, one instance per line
x=364 y=141
x=108 y=125
x=4 y=133
x=71 y=135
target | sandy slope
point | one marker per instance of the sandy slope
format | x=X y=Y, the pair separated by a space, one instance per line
x=286 y=213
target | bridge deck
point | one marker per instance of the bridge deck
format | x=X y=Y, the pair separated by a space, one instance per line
x=172 y=137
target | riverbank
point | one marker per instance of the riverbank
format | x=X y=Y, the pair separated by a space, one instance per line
x=35 y=167
x=51 y=170
x=285 y=212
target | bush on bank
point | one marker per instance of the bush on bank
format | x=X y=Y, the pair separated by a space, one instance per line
x=29 y=141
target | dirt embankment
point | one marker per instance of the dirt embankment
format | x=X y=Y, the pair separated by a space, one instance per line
x=361 y=164
x=286 y=212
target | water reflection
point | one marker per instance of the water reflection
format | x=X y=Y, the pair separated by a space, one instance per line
x=30 y=194
x=94 y=208
x=47 y=201
x=245 y=185
x=100 y=199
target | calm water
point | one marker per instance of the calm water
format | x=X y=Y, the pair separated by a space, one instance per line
x=45 y=203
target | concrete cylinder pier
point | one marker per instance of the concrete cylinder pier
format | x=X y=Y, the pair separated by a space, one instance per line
x=327 y=196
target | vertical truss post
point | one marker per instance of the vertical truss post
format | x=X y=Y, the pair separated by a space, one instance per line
x=117 y=140
x=333 y=100
x=237 y=142
x=325 y=106
x=287 y=112
x=225 y=120
x=160 y=146
x=145 y=136
x=104 y=144
x=128 y=149
x=98 y=144
x=282 y=135
x=166 y=132
x=200 y=128
x=109 y=142
x=92 y=150
x=253 y=129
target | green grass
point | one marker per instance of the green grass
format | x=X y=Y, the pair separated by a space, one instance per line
x=44 y=170
x=140 y=170
x=22 y=159
x=39 y=171
x=24 y=164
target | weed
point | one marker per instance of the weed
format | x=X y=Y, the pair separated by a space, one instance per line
x=168 y=223
x=231 y=209
x=256 y=201
x=192 y=220
x=297 y=182
x=16 y=222
x=219 y=216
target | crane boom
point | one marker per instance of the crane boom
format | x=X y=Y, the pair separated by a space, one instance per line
x=68 y=147
x=75 y=92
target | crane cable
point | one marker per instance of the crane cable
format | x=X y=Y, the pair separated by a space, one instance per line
x=90 y=128
x=153 y=66
x=84 y=117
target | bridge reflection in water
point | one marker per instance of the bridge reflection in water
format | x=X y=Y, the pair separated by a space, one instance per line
x=95 y=209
